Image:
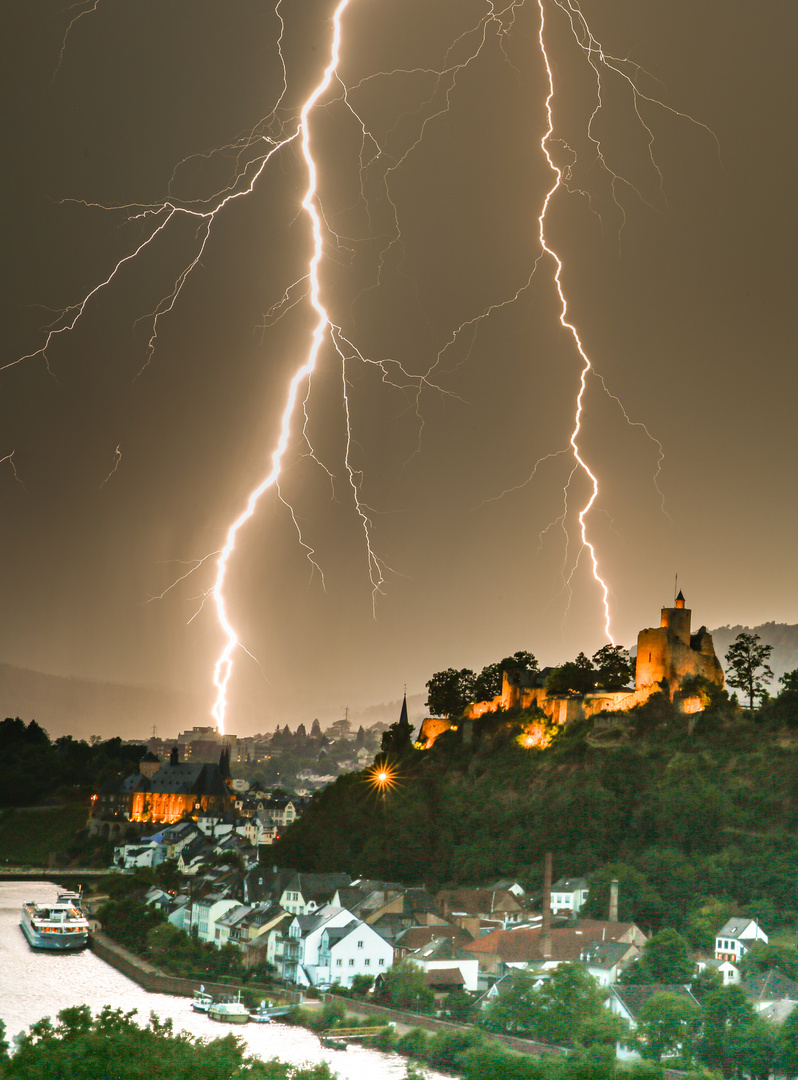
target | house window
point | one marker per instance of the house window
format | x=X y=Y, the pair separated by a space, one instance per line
x=360 y=944
x=338 y=963
x=351 y=963
x=381 y=962
x=367 y=962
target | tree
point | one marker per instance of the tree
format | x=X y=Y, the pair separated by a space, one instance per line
x=571 y=1010
x=575 y=677
x=666 y=958
x=361 y=984
x=514 y=1011
x=488 y=683
x=667 y=1024
x=614 y=667
x=749 y=668
x=112 y=1044
x=404 y=987
x=567 y=1010
x=450 y=691
x=787 y=1046
x=728 y=1018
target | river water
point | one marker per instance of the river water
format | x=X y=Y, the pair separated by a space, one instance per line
x=36 y=984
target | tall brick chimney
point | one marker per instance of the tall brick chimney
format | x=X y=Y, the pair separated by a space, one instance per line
x=545 y=929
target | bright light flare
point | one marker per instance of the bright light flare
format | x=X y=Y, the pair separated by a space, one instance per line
x=382 y=778
x=535 y=736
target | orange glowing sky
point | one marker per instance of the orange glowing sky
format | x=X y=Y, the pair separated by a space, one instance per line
x=125 y=481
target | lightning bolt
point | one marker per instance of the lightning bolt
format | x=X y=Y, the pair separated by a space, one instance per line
x=12 y=466
x=572 y=330
x=115 y=466
x=323 y=331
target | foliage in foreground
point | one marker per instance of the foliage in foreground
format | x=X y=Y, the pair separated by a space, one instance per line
x=111 y=1044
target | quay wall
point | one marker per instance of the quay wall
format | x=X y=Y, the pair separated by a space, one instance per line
x=157 y=982
x=150 y=978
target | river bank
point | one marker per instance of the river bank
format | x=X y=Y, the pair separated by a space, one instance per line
x=151 y=978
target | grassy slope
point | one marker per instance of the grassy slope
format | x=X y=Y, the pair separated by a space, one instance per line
x=28 y=836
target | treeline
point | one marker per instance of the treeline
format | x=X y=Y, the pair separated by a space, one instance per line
x=83 y=1046
x=695 y=815
x=33 y=769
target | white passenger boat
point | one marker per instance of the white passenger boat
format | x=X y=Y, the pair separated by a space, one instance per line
x=57 y=927
x=229 y=1011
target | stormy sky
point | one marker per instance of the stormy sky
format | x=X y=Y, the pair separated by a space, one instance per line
x=129 y=463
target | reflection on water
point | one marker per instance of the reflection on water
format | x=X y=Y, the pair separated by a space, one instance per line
x=37 y=984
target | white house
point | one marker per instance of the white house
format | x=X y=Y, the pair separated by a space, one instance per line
x=736 y=937
x=349 y=950
x=728 y=972
x=307 y=893
x=568 y=894
x=260 y=830
x=605 y=960
x=301 y=947
x=144 y=853
x=205 y=912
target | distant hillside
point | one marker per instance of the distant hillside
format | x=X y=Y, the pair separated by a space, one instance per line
x=782 y=636
x=81 y=707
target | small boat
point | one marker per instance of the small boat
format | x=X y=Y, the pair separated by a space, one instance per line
x=229 y=1011
x=58 y=927
x=202 y=1001
x=261 y=1015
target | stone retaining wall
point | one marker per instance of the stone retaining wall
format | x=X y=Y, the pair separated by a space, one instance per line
x=157 y=982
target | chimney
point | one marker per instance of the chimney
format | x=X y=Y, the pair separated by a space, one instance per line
x=613 y=913
x=545 y=929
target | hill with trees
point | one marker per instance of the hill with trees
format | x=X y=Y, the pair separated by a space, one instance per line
x=696 y=815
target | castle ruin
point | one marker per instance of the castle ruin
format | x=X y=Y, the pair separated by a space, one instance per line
x=667 y=656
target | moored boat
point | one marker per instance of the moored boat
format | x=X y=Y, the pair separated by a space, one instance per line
x=261 y=1015
x=58 y=927
x=201 y=1001
x=229 y=1011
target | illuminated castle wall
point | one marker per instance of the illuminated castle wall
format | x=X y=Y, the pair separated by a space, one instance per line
x=666 y=656
x=669 y=654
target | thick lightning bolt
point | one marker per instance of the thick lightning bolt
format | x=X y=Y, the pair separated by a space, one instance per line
x=569 y=326
x=321 y=332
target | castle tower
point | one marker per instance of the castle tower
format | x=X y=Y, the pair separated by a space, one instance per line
x=669 y=654
x=677 y=619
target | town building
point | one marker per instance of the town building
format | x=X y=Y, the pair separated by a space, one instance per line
x=736 y=937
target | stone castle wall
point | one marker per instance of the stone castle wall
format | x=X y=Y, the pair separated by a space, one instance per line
x=666 y=655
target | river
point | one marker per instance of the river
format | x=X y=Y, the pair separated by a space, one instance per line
x=36 y=984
